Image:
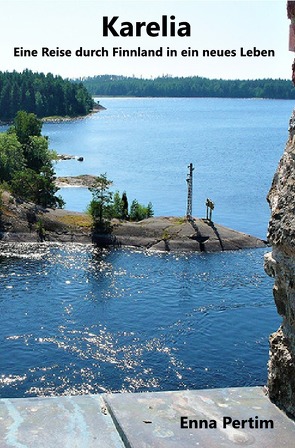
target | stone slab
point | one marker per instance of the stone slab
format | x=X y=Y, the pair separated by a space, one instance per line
x=150 y=420
x=57 y=422
x=145 y=420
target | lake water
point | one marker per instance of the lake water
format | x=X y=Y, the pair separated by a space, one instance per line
x=145 y=146
x=78 y=320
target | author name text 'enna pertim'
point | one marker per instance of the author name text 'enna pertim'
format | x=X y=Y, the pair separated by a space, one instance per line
x=226 y=422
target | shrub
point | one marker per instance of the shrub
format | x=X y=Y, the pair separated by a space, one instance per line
x=139 y=211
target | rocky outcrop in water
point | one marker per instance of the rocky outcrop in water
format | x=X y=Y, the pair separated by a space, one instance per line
x=26 y=222
x=280 y=264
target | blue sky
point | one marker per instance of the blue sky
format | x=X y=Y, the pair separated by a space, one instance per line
x=215 y=24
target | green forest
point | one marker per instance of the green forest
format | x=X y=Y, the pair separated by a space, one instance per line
x=189 y=87
x=47 y=95
x=44 y=95
x=26 y=163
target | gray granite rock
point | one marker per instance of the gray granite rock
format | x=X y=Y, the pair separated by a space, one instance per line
x=280 y=264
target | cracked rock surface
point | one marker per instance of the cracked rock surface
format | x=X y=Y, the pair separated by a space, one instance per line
x=280 y=264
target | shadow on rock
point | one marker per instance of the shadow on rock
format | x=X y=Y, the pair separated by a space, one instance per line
x=211 y=224
x=102 y=235
x=201 y=239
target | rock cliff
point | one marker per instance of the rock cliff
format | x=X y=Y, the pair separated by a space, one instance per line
x=280 y=264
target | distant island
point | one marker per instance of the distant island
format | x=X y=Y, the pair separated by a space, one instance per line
x=194 y=86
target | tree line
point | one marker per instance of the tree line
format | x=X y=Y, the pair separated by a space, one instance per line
x=26 y=163
x=43 y=95
x=194 y=86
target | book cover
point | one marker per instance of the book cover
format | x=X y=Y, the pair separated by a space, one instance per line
x=138 y=143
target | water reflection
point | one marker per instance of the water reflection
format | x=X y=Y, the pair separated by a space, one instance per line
x=75 y=319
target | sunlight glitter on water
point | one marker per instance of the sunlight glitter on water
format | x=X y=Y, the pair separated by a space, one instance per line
x=123 y=320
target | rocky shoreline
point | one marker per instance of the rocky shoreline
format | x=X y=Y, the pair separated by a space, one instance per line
x=60 y=119
x=82 y=181
x=167 y=234
x=26 y=222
